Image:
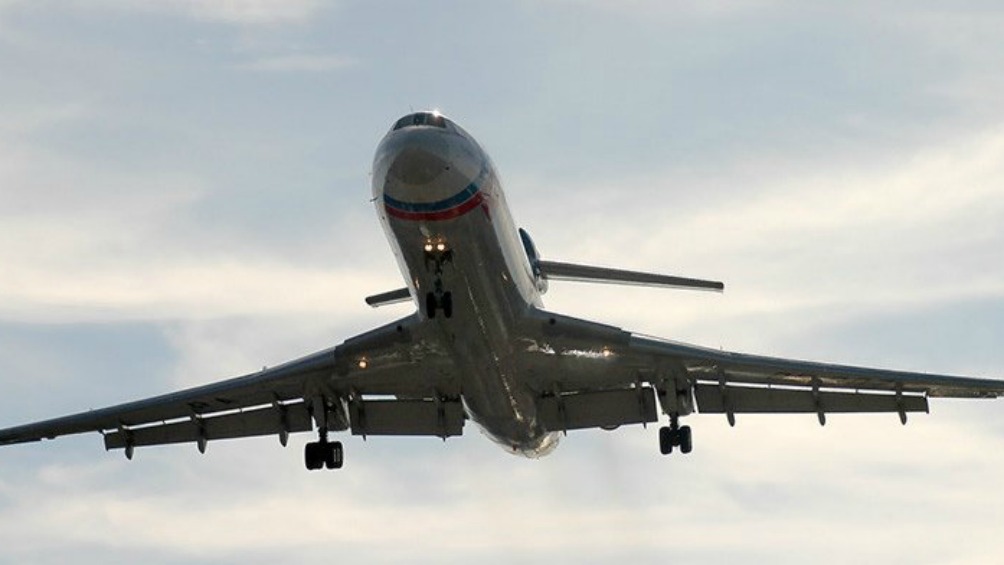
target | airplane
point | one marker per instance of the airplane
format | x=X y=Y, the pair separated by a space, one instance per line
x=480 y=346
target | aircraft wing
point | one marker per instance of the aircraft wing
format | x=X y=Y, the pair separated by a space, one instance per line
x=711 y=365
x=731 y=383
x=254 y=400
x=280 y=400
x=605 y=363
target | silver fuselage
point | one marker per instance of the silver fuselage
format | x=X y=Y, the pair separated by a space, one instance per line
x=436 y=185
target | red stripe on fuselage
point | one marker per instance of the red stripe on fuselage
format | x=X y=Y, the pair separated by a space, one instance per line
x=454 y=212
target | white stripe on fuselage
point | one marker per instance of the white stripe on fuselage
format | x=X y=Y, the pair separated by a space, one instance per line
x=489 y=276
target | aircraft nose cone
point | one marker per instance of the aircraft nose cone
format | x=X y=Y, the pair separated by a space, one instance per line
x=417 y=158
x=427 y=174
x=419 y=165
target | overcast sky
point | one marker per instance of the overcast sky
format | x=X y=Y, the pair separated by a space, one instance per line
x=184 y=197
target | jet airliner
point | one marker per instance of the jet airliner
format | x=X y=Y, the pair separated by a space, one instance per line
x=481 y=347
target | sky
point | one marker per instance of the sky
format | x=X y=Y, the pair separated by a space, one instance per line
x=185 y=197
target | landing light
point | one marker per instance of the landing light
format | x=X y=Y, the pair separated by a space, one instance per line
x=428 y=247
x=441 y=247
x=363 y=364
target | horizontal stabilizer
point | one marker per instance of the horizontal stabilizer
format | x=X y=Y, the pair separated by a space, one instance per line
x=392 y=297
x=553 y=270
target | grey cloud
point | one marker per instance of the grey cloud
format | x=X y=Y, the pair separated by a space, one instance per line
x=299 y=63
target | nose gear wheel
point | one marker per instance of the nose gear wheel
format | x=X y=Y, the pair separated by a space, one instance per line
x=443 y=302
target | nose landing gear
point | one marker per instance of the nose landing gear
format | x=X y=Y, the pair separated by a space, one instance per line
x=437 y=254
x=439 y=300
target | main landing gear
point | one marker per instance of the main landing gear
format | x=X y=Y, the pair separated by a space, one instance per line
x=323 y=453
x=675 y=435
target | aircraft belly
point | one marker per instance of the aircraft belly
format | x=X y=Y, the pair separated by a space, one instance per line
x=487 y=306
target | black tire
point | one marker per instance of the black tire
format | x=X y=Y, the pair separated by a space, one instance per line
x=312 y=456
x=448 y=304
x=339 y=454
x=686 y=440
x=665 y=440
x=431 y=304
x=329 y=456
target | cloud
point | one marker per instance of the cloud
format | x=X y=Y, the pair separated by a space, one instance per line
x=86 y=241
x=787 y=236
x=254 y=11
x=233 y=12
x=677 y=9
x=452 y=500
x=300 y=63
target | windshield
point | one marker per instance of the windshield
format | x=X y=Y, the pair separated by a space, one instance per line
x=421 y=119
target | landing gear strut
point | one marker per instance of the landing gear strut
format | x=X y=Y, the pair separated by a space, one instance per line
x=323 y=453
x=437 y=254
x=675 y=435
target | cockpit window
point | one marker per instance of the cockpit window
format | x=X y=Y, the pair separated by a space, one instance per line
x=421 y=119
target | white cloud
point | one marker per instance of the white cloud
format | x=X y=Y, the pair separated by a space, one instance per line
x=786 y=237
x=742 y=490
x=300 y=62
x=254 y=11
x=85 y=242
x=236 y=12
x=677 y=9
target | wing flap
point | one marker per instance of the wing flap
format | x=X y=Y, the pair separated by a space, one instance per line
x=271 y=420
x=597 y=409
x=718 y=399
x=407 y=418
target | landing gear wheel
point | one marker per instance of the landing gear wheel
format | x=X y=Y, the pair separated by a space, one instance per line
x=334 y=458
x=686 y=440
x=665 y=440
x=313 y=456
x=321 y=454
x=431 y=305
x=675 y=435
x=447 y=304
